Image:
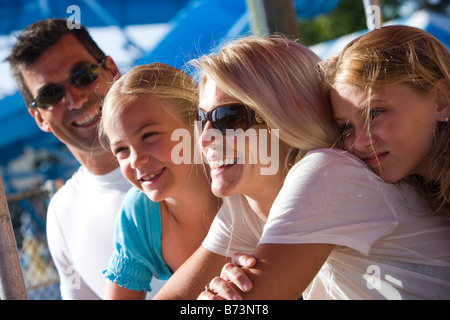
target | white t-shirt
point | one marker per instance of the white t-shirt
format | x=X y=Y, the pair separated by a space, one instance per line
x=234 y=230
x=388 y=245
x=80 y=223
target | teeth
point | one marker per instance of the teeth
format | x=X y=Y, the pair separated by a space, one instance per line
x=151 y=175
x=88 y=119
x=219 y=163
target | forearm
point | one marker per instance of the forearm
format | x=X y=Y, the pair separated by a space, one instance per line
x=282 y=271
x=190 y=279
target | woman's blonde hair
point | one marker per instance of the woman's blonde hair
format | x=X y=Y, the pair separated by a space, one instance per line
x=278 y=78
x=395 y=55
x=157 y=79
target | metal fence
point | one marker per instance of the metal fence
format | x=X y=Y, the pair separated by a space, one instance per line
x=30 y=175
x=28 y=217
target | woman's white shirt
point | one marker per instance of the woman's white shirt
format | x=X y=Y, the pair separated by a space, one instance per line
x=388 y=246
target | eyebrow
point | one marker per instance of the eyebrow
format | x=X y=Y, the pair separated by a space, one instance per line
x=141 y=128
x=44 y=88
x=379 y=101
x=222 y=105
x=338 y=119
x=77 y=66
x=147 y=124
x=114 y=143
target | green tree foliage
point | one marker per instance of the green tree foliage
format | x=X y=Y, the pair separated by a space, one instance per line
x=349 y=17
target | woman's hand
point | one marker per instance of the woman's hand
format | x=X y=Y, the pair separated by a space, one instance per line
x=232 y=280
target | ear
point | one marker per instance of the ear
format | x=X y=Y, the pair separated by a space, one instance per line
x=442 y=100
x=41 y=122
x=112 y=67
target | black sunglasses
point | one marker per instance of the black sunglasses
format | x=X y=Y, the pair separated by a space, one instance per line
x=55 y=93
x=230 y=116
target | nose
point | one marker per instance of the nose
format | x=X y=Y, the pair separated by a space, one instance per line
x=211 y=137
x=363 y=140
x=75 y=98
x=137 y=158
x=205 y=137
x=213 y=143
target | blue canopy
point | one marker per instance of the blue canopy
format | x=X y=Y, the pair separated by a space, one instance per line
x=17 y=14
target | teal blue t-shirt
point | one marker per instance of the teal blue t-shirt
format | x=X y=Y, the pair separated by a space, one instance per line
x=137 y=256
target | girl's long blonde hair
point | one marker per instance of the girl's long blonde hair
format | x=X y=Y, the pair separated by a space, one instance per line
x=395 y=55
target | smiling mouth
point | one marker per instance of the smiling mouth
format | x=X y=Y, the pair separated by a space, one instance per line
x=374 y=160
x=215 y=164
x=88 y=119
x=151 y=176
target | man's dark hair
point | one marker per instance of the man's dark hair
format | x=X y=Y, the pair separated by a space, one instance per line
x=36 y=39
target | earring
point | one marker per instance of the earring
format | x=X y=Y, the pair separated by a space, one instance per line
x=258 y=118
x=444 y=119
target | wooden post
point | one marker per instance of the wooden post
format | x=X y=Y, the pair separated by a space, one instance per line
x=270 y=16
x=12 y=286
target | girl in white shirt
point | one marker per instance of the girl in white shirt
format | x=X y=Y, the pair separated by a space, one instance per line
x=398 y=78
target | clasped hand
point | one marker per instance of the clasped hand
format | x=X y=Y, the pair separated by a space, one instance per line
x=232 y=280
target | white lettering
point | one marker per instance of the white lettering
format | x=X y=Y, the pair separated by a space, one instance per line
x=74 y=21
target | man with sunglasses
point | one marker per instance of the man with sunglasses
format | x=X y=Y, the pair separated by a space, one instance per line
x=63 y=76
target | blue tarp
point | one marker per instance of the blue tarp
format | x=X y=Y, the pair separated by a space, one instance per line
x=17 y=14
x=197 y=29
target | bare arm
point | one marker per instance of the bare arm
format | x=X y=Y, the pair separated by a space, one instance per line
x=190 y=279
x=115 y=292
x=282 y=271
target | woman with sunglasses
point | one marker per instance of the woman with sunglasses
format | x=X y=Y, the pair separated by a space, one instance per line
x=167 y=213
x=329 y=221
